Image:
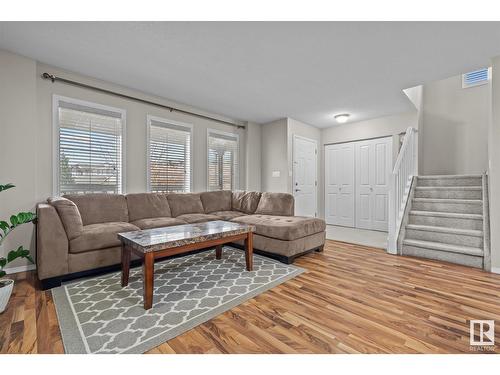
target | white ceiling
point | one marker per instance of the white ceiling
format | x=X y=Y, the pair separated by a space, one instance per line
x=261 y=71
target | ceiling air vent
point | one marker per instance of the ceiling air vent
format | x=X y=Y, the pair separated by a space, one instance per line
x=476 y=78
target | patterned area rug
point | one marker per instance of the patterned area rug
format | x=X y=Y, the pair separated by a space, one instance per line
x=97 y=315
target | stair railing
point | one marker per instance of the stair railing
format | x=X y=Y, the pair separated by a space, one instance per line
x=404 y=170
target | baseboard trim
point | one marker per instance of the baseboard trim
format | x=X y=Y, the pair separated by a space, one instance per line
x=12 y=270
x=495 y=270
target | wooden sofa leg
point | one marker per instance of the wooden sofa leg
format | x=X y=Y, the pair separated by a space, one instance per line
x=320 y=249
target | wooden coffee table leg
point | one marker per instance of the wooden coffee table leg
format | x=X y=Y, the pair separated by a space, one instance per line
x=249 y=251
x=218 y=252
x=148 y=279
x=125 y=264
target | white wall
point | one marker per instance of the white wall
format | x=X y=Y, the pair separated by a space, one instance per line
x=494 y=167
x=275 y=156
x=18 y=146
x=454 y=134
x=355 y=131
x=253 y=156
x=26 y=136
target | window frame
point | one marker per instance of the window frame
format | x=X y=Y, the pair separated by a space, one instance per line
x=236 y=178
x=56 y=188
x=166 y=121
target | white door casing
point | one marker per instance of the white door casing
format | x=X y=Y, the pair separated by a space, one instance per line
x=339 y=184
x=304 y=181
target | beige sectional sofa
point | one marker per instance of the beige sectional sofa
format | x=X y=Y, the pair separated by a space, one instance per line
x=77 y=234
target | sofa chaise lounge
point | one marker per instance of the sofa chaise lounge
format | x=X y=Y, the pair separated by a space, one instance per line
x=77 y=234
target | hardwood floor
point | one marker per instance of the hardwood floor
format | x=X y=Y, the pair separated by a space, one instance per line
x=352 y=299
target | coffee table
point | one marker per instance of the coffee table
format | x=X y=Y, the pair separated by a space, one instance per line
x=151 y=244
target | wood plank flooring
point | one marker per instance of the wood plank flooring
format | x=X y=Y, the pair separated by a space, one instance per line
x=352 y=299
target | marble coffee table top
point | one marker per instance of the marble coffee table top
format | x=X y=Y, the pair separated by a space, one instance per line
x=178 y=235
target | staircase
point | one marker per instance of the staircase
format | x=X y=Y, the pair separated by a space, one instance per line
x=445 y=220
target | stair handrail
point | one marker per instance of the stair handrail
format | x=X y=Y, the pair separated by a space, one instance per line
x=404 y=170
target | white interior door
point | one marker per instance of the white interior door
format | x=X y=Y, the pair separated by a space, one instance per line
x=373 y=166
x=382 y=160
x=364 y=179
x=304 y=176
x=339 y=184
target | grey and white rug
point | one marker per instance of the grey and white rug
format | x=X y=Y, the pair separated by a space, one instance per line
x=97 y=315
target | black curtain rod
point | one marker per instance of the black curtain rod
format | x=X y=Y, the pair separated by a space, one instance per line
x=54 y=78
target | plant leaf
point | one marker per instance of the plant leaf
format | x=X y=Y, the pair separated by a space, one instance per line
x=3 y=262
x=13 y=220
x=12 y=255
x=2 y=273
x=4 y=226
x=6 y=186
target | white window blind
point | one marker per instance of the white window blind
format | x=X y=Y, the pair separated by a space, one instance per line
x=89 y=156
x=222 y=161
x=169 y=157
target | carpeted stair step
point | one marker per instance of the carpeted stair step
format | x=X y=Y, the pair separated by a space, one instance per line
x=464 y=255
x=450 y=180
x=454 y=236
x=449 y=192
x=446 y=219
x=466 y=206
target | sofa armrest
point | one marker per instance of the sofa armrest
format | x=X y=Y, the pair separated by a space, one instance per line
x=52 y=243
x=281 y=204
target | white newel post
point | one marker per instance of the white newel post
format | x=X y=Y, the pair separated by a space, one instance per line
x=401 y=177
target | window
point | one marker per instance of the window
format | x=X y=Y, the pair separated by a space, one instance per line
x=88 y=157
x=169 y=156
x=222 y=161
x=476 y=78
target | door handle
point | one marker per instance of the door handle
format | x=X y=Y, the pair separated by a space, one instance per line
x=371 y=189
x=297 y=190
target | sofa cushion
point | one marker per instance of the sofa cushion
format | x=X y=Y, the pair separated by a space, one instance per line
x=185 y=203
x=216 y=201
x=197 y=218
x=276 y=204
x=147 y=205
x=227 y=215
x=100 y=208
x=70 y=216
x=99 y=236
x=286 y=228
x=245 y=201
x=157 y=222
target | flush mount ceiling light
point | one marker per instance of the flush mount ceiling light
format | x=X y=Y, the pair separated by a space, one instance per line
x=342 y=118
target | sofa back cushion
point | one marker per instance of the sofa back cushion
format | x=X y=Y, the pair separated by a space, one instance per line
x=69 y=214
x=281 y=204
x=185 y=203
x=147 y=205
x=216 y=201
x=245 y=201
x=100 y=208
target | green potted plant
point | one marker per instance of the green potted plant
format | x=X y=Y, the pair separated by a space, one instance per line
x=6 y=285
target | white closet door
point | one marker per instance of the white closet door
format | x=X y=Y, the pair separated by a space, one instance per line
x=382 y=160
x=373 y=165
x=339 y=184
x=364 y=179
